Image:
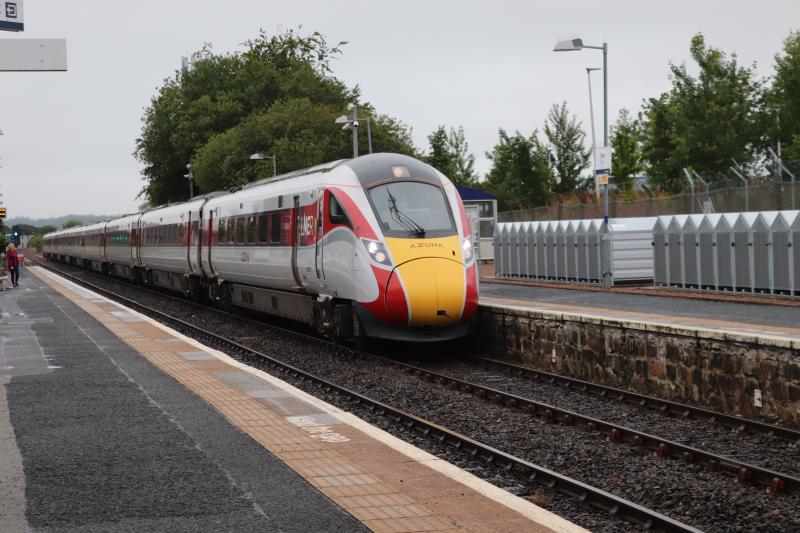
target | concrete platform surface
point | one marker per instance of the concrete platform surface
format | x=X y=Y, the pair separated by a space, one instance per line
x=110 y=421
x=747 y=322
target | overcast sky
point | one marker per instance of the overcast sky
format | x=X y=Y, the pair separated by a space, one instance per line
x=480 y=64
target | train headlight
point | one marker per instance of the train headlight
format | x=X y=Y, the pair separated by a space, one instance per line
x=377 y=251
x=466 y=250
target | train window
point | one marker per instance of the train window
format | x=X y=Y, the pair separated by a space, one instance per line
x=336 y=212
x=221 y=232
x=181 y=232
x=240 y=230
x=263 y=224
x=275 y=230
x=409 y=208
x=251 y=229
x=232 y=231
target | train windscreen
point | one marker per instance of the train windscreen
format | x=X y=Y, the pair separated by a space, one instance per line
x=411 y=209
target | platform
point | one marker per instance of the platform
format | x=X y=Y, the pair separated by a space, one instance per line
x=110 y=421
x=776 y=325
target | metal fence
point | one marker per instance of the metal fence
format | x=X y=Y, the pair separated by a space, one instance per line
x=757 y=252
x=724 y=198
x=570 y=250
x=742 y=252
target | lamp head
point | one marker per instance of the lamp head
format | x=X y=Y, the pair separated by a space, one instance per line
x=568 y=45
x=257 y=156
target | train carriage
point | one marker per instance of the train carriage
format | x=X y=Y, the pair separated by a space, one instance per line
x=122 y=239
x=376 y=246
x=93 y=243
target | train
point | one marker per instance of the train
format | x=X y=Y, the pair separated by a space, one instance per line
x=376 y=246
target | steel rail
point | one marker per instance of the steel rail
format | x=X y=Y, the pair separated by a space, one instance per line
x=745 y=472
x=614 y=506
x=665 y=407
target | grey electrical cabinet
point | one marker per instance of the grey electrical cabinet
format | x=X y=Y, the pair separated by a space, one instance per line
x=690 y=247
x=742 y=250
x=660 y=251
x=707 y=251
x=782 y=253
x=675 y=249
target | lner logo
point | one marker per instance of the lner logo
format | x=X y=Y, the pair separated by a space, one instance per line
x=11 y=10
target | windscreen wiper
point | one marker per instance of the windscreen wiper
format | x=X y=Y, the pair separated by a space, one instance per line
x=401 y=217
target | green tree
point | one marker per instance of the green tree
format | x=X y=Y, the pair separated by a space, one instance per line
x=449 y=154
x=71 y=223
x=35 y=242
x=520 y=176
x=783 y=98
x=299 y=132
x=705 y=121
x=627 y=159
x=566 y=140
x=223 y=90
x=441 y=157
x=44 y=230
x=464 y=161
x=659 y=144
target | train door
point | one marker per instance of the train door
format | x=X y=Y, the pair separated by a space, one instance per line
x=319 y=233
x=194 y=233
x=204 y=253
x=133 y=242
x=296 y=229
x=138 y=242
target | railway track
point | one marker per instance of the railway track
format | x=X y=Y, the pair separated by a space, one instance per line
x=612 y=506
x=745 y=472
x=640 y=401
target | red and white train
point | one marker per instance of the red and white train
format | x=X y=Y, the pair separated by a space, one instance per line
x=377 y=246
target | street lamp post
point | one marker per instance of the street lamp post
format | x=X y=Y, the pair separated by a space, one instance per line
x=190 y=177
x=351 y=120
x=260 y=157
x=575 y=45
x=591 y=119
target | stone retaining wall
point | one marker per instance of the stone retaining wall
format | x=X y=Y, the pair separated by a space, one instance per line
x=716 y=369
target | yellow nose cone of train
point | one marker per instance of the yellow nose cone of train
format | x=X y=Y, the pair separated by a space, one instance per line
x=432 y=274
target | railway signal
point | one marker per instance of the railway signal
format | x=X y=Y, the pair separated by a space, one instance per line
x=2 y=212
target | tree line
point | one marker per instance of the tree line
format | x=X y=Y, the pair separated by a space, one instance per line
x=279 y=96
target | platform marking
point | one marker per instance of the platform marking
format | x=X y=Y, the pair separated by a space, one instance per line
x=540 y=516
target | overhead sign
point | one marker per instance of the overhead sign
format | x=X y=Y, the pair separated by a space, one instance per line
x=11 y=17
x=33 y=55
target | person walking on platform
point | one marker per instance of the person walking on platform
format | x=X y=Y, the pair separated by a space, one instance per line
x=12 y=262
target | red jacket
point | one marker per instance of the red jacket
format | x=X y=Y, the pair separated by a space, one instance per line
x=11 y=259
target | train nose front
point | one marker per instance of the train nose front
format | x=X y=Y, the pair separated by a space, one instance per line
x=433 y=290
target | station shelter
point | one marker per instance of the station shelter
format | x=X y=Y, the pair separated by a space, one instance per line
x=486 y=205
